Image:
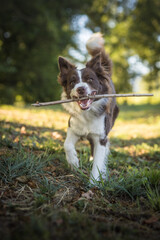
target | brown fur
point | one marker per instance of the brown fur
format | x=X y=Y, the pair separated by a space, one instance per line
x=102 y=66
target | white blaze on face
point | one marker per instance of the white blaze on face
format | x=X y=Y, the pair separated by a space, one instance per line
x=79 y=75
x=84 y=104
x=74 y=92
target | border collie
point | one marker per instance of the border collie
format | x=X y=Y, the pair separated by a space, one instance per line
x=92 y=119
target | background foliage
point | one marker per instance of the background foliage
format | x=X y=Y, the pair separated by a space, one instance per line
x=34 y=33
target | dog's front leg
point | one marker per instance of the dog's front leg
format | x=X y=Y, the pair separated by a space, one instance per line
x=100 y=158
x=69 y=146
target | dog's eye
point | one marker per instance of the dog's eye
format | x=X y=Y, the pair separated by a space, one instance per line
x=72 y=83
x=89 y=80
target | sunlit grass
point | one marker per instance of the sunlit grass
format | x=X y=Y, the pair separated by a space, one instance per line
x=43 y=117
x=138 y=122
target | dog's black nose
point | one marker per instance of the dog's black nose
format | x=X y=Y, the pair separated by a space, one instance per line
x=81 y=90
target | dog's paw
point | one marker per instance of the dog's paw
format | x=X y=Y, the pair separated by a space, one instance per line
x=97 y=179
x=74 y=163
x=92 y=182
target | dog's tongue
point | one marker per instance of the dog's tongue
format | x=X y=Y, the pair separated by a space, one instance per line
x=84 y=104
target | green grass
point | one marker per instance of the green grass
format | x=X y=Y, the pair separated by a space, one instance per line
x=22 y=164
x=41 y=198
x=153 y=195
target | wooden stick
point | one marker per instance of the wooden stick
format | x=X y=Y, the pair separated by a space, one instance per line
x=38 y=104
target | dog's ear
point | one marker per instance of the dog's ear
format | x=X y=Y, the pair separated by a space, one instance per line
x=64 y=66
x=95 y=63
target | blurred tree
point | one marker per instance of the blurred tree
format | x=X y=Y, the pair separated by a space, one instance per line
x=144 y=37
x=32 y=35
x=131 y=27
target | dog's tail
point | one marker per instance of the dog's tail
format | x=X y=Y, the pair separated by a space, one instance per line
x=95 y=45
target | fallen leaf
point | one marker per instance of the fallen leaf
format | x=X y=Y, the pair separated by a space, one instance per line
x=114 y=172
x=152 y=219
x=88 y=195
x=16 y=140
x=32 y=184
x=50 y=168
x=22 y=179
x=56 y=135
x=23 y=130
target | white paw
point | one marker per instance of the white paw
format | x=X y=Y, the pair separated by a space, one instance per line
x=97 y=178
x=73 y=162
x=92 y=182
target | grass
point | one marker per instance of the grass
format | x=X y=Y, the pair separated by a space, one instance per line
x=22 y=164
x=41 y=198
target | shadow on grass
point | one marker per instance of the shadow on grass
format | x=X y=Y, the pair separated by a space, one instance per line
x=29 y=127
x=36 y=138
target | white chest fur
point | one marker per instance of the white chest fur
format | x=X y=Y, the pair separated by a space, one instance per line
x=86 y=123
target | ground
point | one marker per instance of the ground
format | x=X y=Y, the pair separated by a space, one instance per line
x=41 y=198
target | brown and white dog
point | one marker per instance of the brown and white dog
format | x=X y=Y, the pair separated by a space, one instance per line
x=92 y=119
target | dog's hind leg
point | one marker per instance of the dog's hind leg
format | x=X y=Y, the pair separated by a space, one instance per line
x=91 y=144
x=69 y=146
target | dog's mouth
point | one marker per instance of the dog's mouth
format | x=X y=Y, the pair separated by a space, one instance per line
x=85 y=104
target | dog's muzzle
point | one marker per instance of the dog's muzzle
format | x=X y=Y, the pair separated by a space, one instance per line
x=85 y=104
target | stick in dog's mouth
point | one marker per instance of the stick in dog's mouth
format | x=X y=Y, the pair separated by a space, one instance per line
x=41 y=104
x=86 y=103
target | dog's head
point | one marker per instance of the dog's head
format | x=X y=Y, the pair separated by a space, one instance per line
x=90 y=80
